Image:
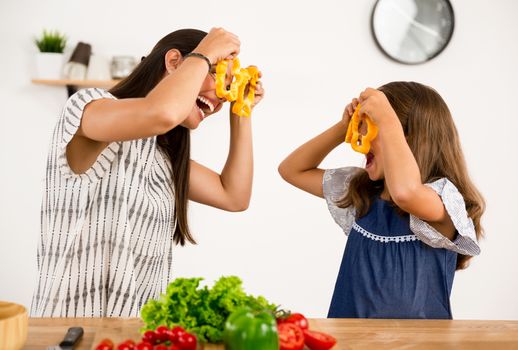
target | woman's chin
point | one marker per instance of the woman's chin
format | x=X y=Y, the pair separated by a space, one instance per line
x=193 y=126
x=191 y=122
x=189 y=126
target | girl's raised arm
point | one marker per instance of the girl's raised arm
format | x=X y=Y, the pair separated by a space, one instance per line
x=300 y=168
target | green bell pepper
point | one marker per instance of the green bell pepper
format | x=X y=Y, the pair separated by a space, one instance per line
x=246 y=329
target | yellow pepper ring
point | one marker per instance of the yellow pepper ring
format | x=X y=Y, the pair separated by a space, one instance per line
x=349 y=133
x=352 y=136
x=243 y=106
x=241 y=78
x=221 y=76
x=352 y=129
x=254 y=73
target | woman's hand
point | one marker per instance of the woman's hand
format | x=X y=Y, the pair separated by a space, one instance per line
x=258 y=96
x=218 y=45
x=376 y=105
x=259 y=92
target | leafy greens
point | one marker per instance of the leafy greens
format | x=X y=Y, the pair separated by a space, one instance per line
x=200 y=310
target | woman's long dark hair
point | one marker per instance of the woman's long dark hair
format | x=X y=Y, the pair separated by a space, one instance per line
x=433 y=139
x=177 y=141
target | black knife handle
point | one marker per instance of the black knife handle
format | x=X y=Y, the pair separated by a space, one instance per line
x=72 y=336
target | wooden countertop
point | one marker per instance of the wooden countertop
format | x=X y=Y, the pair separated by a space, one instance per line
x=350 y=333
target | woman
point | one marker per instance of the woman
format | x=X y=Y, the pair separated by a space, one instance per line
x=119 y=177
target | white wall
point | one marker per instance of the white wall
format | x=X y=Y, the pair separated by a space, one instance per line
x=315 y=56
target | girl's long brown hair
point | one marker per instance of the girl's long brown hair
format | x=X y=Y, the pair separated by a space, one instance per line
x=433 y=139
x=177 y=141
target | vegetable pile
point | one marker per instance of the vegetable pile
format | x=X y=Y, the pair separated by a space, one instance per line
x=201 y=311
x=162 y=338
x=246 y=329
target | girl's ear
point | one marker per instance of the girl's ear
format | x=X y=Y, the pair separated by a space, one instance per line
x=172 y=59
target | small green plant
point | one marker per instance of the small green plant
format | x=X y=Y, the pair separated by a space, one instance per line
x=51 y=41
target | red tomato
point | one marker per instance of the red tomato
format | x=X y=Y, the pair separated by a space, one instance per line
x=103 y=347
x=187 y=341
x=318 y=340
x=105 y=344
x=150 y=337
x=175 y=334
x=144 y=346
x=174 y=347
x=107 y=341
x=297 y=319
x=160 y=347
x=124 y=346
x=162 y=333
x=291 y=336
x=128 y=344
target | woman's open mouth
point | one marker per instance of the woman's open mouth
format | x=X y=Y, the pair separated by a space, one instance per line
x=370 y=158
x=204 y=106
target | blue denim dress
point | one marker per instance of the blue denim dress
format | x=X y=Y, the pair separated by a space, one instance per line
x=389 y=270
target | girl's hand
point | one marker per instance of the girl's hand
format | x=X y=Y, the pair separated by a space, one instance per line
x=218 y=45
x=376 y=105
x=348 y=111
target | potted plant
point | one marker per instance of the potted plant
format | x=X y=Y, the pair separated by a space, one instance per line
x=49 y=61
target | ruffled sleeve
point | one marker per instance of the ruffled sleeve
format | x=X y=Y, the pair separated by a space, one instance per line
x=69 y=124
x=466 y=241
x=334 y=185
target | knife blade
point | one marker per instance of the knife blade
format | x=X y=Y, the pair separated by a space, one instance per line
x=70 y=339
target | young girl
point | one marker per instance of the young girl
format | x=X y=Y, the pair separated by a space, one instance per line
x=119 y=177
x=412 y=215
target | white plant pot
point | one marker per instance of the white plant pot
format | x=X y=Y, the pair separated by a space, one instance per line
x=49 y=65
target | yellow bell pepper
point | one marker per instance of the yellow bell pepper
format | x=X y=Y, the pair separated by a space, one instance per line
x=353 y=134
x=241 y=78
x=221 y=75
x=242 y=105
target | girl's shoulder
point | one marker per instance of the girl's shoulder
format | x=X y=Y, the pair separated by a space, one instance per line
x=335 y=182
x=442 y=184
x=450 y=195
x=466 y=242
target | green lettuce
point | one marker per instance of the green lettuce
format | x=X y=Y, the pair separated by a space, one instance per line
x=202 y=311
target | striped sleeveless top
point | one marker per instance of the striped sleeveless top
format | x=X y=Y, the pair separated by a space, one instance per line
x=106 y=237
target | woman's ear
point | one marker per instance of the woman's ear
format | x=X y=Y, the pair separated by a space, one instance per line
x=172 y=59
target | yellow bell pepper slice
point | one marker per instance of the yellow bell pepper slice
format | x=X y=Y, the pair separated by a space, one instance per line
x=243 y=106
x=241 y=78
x=221 y=76
x=353 y=134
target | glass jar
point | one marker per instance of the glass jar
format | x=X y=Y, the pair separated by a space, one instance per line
x=122 y=66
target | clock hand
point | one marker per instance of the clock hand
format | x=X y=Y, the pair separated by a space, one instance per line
x=412 y=21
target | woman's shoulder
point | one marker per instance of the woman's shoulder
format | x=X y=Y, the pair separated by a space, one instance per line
x=84 y=96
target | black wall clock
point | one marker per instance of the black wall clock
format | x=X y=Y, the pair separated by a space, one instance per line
x=412 y=31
